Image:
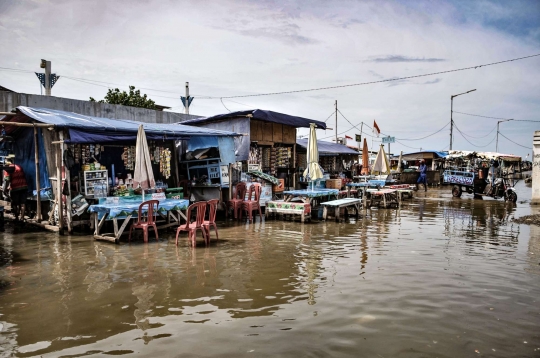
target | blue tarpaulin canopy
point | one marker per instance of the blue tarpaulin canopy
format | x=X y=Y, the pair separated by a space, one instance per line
x=261 y=115
x=328 y=148
x=89 y=129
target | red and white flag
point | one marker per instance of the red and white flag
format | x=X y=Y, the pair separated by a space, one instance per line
x=376 y=128
x=346 y=136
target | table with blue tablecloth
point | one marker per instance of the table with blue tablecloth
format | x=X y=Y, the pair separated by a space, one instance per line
x=307 y=195
x=170 y=211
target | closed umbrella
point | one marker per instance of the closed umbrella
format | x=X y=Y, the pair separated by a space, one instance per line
x=365 y=158
x=399 y=162
x=143 y=175
x=313 y=170
x=381 y=165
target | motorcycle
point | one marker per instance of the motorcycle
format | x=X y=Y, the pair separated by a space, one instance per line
x=470 y=182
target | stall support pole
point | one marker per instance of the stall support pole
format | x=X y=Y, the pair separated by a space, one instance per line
x=176 y=163
x=38 y=187
x=294 y=166
x=59 y=202
x=230 y=182
x=68 y=183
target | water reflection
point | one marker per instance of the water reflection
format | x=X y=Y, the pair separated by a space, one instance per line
x=387 y=271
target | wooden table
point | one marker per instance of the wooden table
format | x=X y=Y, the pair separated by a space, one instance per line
x=170 y=211
x=388 y=197
x=341 y=203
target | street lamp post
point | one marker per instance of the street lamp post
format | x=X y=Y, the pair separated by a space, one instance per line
x=452 y=112
x=497 y=141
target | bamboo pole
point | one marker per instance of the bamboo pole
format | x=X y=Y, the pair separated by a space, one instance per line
x=38 y=186
x=33 y=125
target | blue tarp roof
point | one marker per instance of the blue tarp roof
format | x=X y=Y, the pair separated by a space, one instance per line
x=419 y=155
x=262 y=115
x=328 y=148
x=106 y=129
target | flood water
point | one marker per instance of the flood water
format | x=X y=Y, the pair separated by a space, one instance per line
x=441 y=277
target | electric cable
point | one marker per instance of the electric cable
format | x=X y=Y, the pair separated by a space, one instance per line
x=373 y=82
x=504 y=119
x=470 y=136
x=225 y=106
x=515 y=142
x=474 y=145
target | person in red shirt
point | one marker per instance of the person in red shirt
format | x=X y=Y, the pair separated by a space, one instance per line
x=15 y=181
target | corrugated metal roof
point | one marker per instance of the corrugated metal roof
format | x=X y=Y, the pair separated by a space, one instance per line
x=328 y=148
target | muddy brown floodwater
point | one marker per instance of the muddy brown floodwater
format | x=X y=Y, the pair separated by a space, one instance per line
x=441 y=277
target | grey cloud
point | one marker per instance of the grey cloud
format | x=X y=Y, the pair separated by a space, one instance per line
x=286 y=34
x=437 y=80
x=400 y=58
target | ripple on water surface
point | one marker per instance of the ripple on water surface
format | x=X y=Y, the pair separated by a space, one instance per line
x=437 y=277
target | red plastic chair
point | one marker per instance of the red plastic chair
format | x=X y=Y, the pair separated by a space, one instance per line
x=253 y=201
x=192 y=227
x=212 y=209
x=150 y=221
x=238 y=198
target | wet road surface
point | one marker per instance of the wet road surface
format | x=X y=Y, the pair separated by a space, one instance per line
x=440 y=277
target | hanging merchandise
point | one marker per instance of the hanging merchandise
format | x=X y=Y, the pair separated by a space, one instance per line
x=165 y=163
x=128 y=156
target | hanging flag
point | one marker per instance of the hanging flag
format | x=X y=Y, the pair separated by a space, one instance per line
x=376 y=128
x=346 y=136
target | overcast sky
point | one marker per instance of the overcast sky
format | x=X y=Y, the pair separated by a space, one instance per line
x=240 y=47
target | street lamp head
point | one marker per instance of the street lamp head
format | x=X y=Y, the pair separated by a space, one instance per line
x=471 y=90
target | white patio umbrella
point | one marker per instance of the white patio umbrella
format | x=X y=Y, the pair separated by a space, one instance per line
x=381 y=165
x=143 y=175
x=399 y=169
x=313 y=170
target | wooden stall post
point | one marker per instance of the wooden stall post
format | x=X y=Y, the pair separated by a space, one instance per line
x=68 y=182
x=38 y=187
x=230 y=182
x=59 y=202
x=294 y=166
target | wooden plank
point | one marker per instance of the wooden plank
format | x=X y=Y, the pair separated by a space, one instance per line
x=255 y=131
x=277 y=129
x=289 y=134
x=267 y=133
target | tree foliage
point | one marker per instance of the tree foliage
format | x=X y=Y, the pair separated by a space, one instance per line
x=133 y=98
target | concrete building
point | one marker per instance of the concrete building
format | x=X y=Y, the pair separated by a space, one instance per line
x=10 y=100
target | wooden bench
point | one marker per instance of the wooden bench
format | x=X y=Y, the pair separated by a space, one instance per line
x=288 y=208
x=341 y=203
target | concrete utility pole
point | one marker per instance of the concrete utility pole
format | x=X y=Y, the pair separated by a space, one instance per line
x=452 y=112
x=47 y=66
x=536 y=169
x=187 y=98
x=336 y=121
x=497 y=141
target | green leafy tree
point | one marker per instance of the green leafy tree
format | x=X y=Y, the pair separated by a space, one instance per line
x=133 y=98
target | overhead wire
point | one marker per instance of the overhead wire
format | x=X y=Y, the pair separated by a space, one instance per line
x=373 y=82
x=474 y=145
x=470 y=136
x=310 y=89
x=504 y=119
x=514 y=142
x=224 y=105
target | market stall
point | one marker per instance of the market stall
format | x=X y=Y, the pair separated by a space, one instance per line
x=411 y=161
x=86 y=158
x=335 y=159
x=268 y=144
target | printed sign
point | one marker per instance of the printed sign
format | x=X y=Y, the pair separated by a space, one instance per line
x=224 y=174
x=458 y=179
x=389 y=139
x=159 y=196
x=358 y=138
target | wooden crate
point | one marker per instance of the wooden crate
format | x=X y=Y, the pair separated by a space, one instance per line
x=333 y=183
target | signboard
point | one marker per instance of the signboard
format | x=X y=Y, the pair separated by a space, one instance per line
x=389 y=139
x=159 y=196
x=358 y=138
x=224 y=174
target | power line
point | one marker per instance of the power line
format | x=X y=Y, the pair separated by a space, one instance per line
x=446 y=125
x=474 y=145
x=405 y=145
x=326 y=120
x=470 y=136
x=504 y=119
x=373 y=82
x=515 y=142
x=224 y=105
